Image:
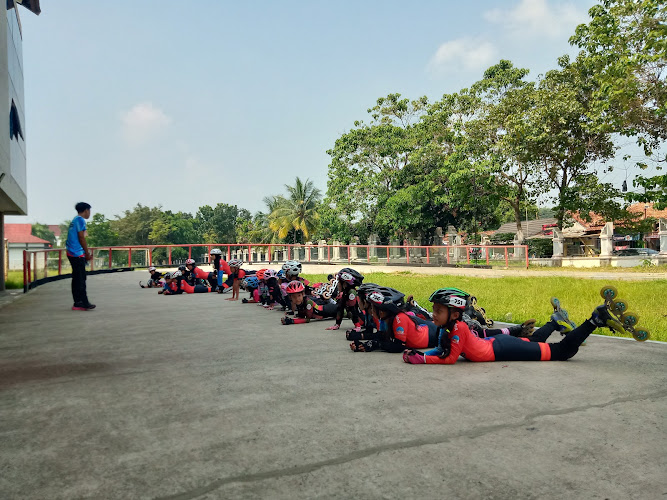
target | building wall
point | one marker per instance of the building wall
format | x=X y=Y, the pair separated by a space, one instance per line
x=13 y=187
x=16 y=253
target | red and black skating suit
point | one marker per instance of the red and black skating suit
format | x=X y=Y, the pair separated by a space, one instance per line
x=211 y=278
x=310 y=310
x=460 y=341
x=401 y=331
x=187 y=288
x=347 y=302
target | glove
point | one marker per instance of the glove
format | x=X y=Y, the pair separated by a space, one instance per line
x=414 y=357
x=286 y=321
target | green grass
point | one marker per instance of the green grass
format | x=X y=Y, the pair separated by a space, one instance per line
x=14 y=279
x=516 y=299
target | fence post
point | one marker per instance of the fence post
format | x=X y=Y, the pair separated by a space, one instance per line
x=486 y=249
x=229 y=252
x=46 y=267
x=407 y=254
x=269 y=254
x=92 y=261
x=169 y=253
x=526 y=248
x=348 y=254
x=150 y=256
x=368 y=254
x=387 y=254
x=249 y=254
x=25 y=271
x=129 y=257
x=110 y=260
x=507 y=264
x=60 y=262
x=467 y=254
x=329 y=254
x=428 y=256
x=190 y=252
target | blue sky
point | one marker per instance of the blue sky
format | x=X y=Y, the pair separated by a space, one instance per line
x=183 y=104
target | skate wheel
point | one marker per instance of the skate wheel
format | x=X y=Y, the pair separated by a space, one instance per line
x=609 y=292
x=473 y=300
x=619 y=306
x=555 y=303
x=629 y=319
x=641 y=335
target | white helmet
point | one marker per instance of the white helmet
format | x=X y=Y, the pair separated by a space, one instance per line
x=176 y=274
x=292 y=267
x=216 y=251
x=189 y=262
x=235 y=263
x=151 y=269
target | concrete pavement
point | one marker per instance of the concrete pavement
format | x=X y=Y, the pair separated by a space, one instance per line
x=198 y=397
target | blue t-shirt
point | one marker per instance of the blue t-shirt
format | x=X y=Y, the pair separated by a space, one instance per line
x=73 y=244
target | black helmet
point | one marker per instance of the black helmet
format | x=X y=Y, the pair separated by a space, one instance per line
x=450 y=297
x=350 y=276
x=364 y=289
x=386 y=299
x=182 y=268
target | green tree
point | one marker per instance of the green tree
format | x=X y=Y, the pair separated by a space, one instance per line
x=219 y=224
x=43 y=231
x=135 y=226
x=297 y=211
x=366 y=161
x=101 y=232
x=624 y=48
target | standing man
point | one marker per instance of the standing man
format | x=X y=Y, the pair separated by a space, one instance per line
x=78 y=254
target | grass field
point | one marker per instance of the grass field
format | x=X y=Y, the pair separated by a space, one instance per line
x=517 y=299
x=14 y=279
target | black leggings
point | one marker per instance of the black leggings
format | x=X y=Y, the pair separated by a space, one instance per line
x=507 y=348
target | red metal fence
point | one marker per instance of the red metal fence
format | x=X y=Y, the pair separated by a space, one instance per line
x=41 y=264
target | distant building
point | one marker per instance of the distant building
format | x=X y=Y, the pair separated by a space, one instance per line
x=13 y=185
x=55 y=229
x=19 y=237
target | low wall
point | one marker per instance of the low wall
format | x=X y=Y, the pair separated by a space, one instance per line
x=586 y=262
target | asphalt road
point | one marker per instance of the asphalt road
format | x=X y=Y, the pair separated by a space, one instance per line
x=198 y=397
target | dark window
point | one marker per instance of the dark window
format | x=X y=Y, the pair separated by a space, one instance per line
x=15 y=129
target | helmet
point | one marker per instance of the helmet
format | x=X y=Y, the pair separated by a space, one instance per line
x=251 y=282
x=235 y=263
x=366 y=288
x=386 y=299
x=152 y=268
x=182 y=268
x=176 y=274
x=190 y=261
x=216 y=251
x=269 y=273
x=350 y=276
x=260 y=274
x=280 y=274
x=450 y=297
x=295 y=287
x=292 y=267
x=167 y=276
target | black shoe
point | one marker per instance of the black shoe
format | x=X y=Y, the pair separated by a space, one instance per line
x=90 y=307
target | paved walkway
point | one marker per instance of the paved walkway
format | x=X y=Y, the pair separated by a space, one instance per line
x=197 y=397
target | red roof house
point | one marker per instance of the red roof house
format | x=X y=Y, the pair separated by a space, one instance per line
x=22 y=234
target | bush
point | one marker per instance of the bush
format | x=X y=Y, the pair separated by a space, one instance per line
x=541 y=247
x=503 y=239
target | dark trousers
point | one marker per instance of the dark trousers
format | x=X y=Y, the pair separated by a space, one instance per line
x=79 y=281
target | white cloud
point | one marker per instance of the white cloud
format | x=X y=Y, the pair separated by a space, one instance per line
x=467 y=54
x=143 y=122
x=538 y=17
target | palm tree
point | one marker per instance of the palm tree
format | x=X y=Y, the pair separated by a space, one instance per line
x=297 y=211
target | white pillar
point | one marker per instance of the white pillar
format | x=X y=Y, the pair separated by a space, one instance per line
x=372 y=246
x=322 y=251
x=353 y=249
x=336 y=251
x=662 y=232
x=607 y=240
